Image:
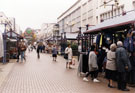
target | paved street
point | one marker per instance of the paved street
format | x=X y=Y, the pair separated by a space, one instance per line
x=45 y=76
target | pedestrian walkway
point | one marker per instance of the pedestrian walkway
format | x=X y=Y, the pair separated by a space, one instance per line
x=45 y=76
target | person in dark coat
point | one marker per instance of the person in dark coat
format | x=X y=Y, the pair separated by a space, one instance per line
x=54 y=53
x=123 y=66
x=38 y=50
x=132 y=72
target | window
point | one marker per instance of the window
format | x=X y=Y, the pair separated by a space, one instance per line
x=97 y=19
x=118 y=11
x=90 y=20
x=134 y=4
x=109 y=15
x=114 y=14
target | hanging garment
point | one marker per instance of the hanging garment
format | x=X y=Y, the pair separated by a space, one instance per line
x=129 y=44
x=134 y=42
x=126 y=44
x=83 y=63
x=98 y=40
x=1 y=45
x=130 y=47
x=101 y=39
x=109 y=37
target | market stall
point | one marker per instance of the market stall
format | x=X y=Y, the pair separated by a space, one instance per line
x=120 y=28
x=12 y=40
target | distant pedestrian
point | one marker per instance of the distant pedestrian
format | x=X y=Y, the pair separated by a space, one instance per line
x=68 y=51
x=123 y=66
x=43 y=48
x=93 y=66
x=54 y=53
x=38 y=51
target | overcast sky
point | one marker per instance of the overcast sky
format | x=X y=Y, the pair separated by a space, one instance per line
x=32 y=13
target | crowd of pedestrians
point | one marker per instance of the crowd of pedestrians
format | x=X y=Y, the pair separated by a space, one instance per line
x=118 y=67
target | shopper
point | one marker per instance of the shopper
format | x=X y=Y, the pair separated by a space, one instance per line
x=68 y=51
x=23 y=49
x=54 y=53
x=111 y=65
x=123 y=66
x=38 y=51
x=93 y=66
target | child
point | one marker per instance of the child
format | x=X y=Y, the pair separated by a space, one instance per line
x=73 y=61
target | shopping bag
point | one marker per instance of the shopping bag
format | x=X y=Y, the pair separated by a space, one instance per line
x=66 y=56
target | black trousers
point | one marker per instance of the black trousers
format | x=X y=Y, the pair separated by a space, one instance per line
x=18 y=57
x=94 y=74
x=38 y=55
x=122 y=80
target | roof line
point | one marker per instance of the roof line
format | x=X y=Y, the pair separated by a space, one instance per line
x=111 y=26
x=69 y=8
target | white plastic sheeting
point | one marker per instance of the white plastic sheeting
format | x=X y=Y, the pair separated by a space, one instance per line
x=1 y=45
x=71 y=36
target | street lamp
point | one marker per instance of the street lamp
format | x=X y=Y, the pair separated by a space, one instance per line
x=115 y=4
x=5 y=22
x=4 y=41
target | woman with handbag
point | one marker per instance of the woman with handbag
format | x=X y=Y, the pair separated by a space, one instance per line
x=68 y=51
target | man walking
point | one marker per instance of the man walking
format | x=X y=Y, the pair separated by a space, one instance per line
x=123 y=66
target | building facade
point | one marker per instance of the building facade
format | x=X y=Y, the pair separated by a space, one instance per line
x=4 y=20
x=48 y=30
x=92 y=12
x=113 y=8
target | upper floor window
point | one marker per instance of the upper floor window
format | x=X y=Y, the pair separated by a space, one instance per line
x=134 y=4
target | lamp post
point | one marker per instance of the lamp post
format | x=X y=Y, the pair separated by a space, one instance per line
x=65 y=40
x=4 y=41
x=79 y=46
x=112 y=5
x=61 y=42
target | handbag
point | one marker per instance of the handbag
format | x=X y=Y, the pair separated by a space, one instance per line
x=66 y=56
